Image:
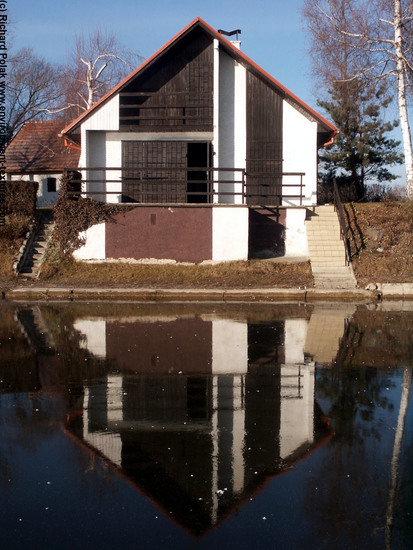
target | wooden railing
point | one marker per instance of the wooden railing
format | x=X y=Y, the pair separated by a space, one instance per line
x=172 y=184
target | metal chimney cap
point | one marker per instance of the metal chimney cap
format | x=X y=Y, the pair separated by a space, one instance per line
x=230 y=33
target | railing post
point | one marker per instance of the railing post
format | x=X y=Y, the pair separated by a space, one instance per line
x=244 y=198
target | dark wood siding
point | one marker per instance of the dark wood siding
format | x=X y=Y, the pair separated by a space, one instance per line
x=160 y=172
x=175 y=93
x=264 y=142
x=154 y=171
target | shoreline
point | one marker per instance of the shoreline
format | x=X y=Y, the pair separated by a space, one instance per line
x=383 y=291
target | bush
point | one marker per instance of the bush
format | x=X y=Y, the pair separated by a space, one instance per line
x=21 y=197
x=74 y=215
x=16 y=226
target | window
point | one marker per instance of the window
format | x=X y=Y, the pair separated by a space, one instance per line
x=51 y=185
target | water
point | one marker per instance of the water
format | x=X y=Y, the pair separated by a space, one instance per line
x=182 y=426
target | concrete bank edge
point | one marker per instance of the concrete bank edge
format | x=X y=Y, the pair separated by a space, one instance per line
x=212 y=295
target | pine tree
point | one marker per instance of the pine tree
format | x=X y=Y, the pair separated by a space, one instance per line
x=363 y=150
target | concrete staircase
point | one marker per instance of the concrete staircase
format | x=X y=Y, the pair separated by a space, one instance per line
x=327 y=251
x=34 y=257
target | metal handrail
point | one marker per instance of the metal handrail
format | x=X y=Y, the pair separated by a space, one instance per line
x=338 y=206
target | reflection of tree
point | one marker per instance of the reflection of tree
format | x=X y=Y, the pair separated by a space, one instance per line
x=76 y=364
x=32 y=370
x=377 y=339
x=404 y=402
x=348 y=490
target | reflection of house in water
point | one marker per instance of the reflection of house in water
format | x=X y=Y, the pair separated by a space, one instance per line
x=326 y=330
x=199 y=412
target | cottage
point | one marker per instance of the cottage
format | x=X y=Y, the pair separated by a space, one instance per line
x=219 y=157
x=36 y=153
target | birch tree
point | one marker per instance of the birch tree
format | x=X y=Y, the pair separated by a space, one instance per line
x=98 y=62
x=378 y=35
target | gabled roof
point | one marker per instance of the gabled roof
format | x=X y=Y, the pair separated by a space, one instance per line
x=232 y=50
x=37 y=148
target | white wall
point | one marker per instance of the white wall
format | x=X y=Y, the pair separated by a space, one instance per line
x=296 y=243
x=299 y=153
x=105 y=118
x=232 y=124
x=96 y=158
x=229 y=233
x=95 y=246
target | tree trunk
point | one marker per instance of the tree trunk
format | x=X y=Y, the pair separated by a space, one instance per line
x=401 y=96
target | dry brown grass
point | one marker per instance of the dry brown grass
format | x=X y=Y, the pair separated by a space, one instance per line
x=382 y=241
x=251 y=274
x=11 y=238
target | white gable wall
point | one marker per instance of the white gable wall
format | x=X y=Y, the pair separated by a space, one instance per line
x=95 y=154
x=299 y=153
x=232 y=124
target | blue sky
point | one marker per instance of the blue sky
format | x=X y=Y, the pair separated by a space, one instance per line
x=273 y=31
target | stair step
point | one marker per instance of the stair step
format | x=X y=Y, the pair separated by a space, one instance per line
x=38 y=248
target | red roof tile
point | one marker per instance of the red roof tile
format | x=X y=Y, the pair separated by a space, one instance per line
x=38 y=148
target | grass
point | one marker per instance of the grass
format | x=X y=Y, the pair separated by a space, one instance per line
x=250 y=274
x=12 y=235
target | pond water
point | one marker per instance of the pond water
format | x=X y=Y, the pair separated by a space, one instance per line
x=182 y=426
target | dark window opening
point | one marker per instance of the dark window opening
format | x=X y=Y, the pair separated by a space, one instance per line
x=197 y=185
x=51 y=185
x=198 y=398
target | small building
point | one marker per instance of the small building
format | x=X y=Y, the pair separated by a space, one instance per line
x=37 y=153
x=219 y=158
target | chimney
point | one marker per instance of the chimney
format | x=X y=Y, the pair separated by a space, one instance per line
x=237 y=32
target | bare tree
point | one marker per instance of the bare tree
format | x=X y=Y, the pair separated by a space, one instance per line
x=378 y=35
x=31 y=89
x=98 y=62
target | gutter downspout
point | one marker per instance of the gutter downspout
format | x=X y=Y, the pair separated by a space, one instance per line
x=70 y=144
x=332 y=139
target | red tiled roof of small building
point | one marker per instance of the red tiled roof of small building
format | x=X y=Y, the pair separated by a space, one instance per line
x=37 y=148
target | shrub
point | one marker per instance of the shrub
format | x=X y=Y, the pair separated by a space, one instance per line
x=73 y=215
x=20 y=198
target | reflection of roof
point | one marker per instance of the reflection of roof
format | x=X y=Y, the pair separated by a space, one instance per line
x=324 y=126
x=149 y=464
x=37 y=148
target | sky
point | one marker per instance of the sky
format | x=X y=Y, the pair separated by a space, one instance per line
x=273 y=32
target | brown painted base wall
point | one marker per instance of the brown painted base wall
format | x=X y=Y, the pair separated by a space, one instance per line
x=180 y=233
